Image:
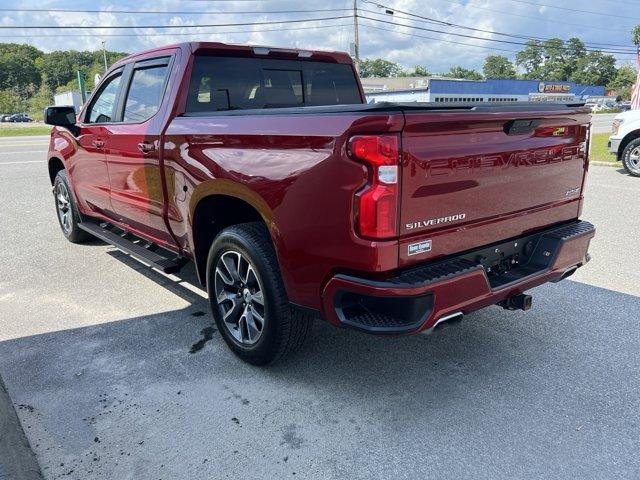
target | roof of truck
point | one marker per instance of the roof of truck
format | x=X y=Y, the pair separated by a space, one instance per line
x=250 y=50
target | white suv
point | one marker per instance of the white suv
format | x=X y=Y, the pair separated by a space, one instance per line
x=625 y=140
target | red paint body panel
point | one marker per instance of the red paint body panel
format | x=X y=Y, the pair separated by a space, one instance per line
x=294 y=170
x=297 y=178
x=504 y=185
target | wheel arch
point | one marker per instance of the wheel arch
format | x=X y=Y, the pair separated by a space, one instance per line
x=54 y=164
x=629 y=137
x=216 y=211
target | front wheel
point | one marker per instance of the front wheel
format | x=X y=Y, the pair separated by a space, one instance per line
x=67 y=210
x=631 y=158
x=248 y=299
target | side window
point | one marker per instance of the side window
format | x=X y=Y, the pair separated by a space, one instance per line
x=102 y=109
x=145 y=93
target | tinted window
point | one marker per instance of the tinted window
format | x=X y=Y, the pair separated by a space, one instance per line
x=103 y=107
x=225 y=83
x=145 y=93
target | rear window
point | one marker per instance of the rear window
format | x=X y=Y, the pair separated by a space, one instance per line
x=226 y=83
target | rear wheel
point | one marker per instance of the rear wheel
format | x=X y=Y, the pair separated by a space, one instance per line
x=247 y=296
x=67 y=210
x=631 y=158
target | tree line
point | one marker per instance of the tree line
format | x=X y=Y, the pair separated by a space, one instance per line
x=551 y=60
x=29 y=77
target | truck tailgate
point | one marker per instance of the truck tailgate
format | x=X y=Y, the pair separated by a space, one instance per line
x=474 y=178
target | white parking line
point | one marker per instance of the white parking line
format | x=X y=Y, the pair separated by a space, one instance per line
x=3 y=145
x=23 y=151
x=26 y=161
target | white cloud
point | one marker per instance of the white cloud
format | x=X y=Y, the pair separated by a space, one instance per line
x=437 y=54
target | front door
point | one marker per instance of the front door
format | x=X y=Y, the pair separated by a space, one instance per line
x=132 y=151
x=88 y=167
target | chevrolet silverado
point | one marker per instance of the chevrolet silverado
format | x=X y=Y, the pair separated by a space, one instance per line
x=295 y=199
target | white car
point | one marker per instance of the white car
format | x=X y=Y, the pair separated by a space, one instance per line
x=625 y=140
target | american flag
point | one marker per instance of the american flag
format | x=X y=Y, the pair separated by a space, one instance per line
x=635 y=94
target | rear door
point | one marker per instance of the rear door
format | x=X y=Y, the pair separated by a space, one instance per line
x=474 y=178
x=133 y=149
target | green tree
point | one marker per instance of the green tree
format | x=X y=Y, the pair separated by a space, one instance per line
x=419 y=71
x=625 y=77
x=554 y=66
x=595 y=68
x=18 y=70
x=531 y=59
x=498 y=67
x=635 y=35
x=57 y=67
x=60 y=67
x=10 y=102
x=574 y=51
x=378 y=67
x=463 y=73
x=39 y=101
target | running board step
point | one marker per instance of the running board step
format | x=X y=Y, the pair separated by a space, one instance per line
x=164 y=264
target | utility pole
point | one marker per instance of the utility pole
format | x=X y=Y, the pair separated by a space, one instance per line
x=82 y=86
x=104 y=55
x=356 y=41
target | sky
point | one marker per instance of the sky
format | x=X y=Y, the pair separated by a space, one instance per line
x=609 y=22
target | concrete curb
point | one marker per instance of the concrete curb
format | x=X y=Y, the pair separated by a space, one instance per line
x=604 y=164
x=17 y=460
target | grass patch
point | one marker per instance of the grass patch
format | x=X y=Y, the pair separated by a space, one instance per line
x=24 y=131
x=599 y=150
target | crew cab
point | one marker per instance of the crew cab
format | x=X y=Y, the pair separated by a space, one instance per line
x=296 y=200
x=624 y=141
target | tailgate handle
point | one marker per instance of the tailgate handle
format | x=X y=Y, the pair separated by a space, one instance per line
x=521 y=127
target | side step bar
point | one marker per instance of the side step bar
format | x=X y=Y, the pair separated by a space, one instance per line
x=123 y=242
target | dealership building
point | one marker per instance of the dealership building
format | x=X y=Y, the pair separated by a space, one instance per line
x=417 y=89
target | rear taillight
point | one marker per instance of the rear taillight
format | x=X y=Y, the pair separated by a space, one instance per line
x=377 y=202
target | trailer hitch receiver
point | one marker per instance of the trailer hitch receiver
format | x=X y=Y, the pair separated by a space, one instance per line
x=521 y=301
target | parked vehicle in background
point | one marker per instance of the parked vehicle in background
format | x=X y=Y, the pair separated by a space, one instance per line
x=625 y=140
x=19 y=118
x=624 y=106
x=4 y=117
x=297 y=200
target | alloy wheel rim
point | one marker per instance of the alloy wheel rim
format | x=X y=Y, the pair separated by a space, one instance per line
x=63 y=205
x=239 y=297
x=634 y=160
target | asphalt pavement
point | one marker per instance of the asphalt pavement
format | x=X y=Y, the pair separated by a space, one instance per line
x=116 y=371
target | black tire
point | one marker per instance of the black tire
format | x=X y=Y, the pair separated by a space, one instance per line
x=68 y=224
x=283 y=330
x=631 y=158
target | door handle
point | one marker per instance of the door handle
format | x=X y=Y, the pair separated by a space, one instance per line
x=146 y=147
x=98 y=143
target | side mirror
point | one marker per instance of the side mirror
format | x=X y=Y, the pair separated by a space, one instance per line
x=60 y=116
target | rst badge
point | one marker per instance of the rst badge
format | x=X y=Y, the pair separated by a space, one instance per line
x=420 y=247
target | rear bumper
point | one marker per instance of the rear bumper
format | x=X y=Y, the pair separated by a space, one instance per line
x=417 y=298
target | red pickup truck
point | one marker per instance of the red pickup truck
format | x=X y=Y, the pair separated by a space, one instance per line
x=296 y=199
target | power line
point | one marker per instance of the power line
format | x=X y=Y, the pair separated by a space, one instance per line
x=170 y=12
x=626 y=17
x=537 y=19
x=95 y=27
x=480 y=38
x=456 y=25
x=440 y=39
x=216 y=32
